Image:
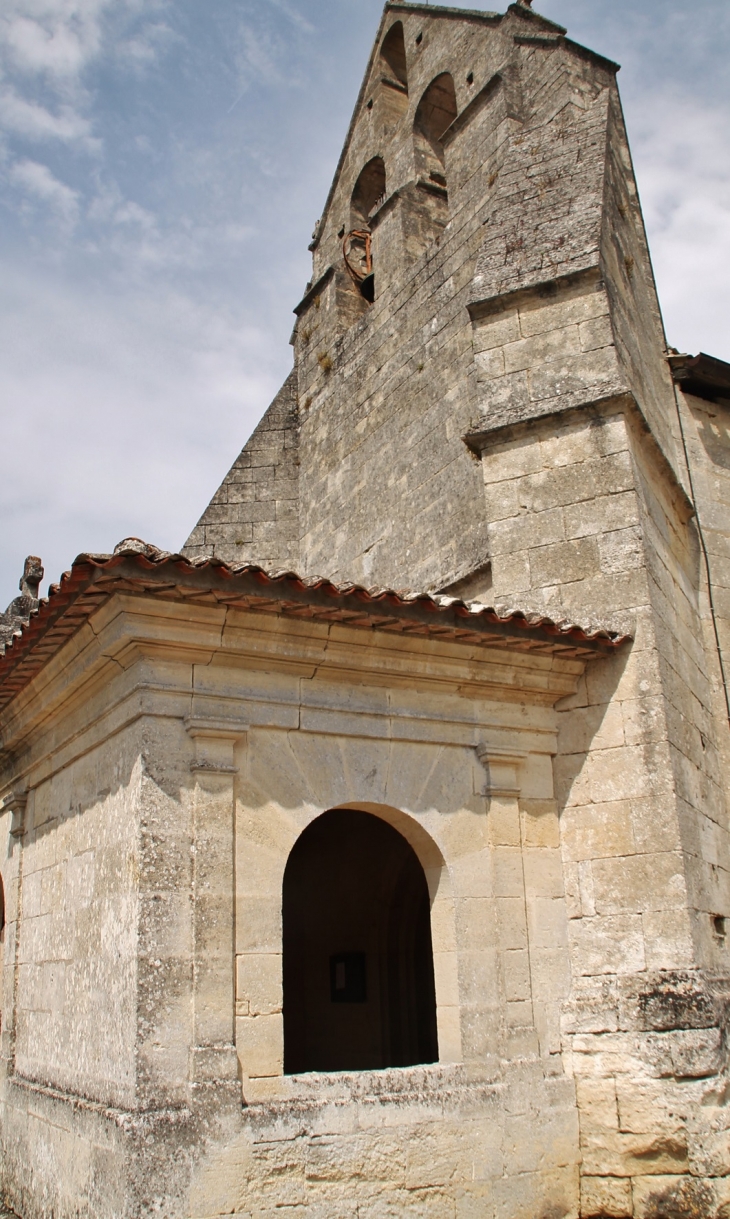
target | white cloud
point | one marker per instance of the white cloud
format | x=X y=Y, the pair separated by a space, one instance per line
x=55 y=37
x=682 y=152
x=37 y=180
x=35 y=122
x=293 y=14
x=130 y=406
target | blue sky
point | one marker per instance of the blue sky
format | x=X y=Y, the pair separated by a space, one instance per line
x=162 y=163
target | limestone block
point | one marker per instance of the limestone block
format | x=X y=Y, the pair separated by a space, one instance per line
x=481 y=1034
x=544 y=1143
x=626 y=1155
x=528 y=353
x=696 y=1053
x=525 y=532
x=667 y=939
x=529 y=1194
x=652 y=1106
x=511 y=922
x=259 y=983
x=446 y=977
x=597 y=831
x=607 y=944
x=547 y=923
x=601 y=513
x=586 y=890
x=564 y=562
x=476 y=924
x=260 y=1044
x=605 y=1054
x=595 y=333
x=597 y=1103
x=605 y=1198
x=508 y=875
x=710 y=1155
x=621 y=550
x=504 y=822
x=519 y=1014
x=540 y=823
x=490 y=363
x=639 y=882
x=543 y=874
x=512 y=461
x=536 y=316
x=258 y=924
x=612 y=774
x=664 y=1194
x=496 y=329
x=516 y=974
x=478 y=978
x=574 y=374
x=443 y=924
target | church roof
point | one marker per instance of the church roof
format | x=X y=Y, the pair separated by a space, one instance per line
x=138 y=568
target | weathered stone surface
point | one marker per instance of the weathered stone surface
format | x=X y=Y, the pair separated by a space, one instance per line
x=493 y=416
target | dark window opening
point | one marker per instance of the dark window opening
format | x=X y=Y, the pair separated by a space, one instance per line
x=358 y=963
x=393 y=55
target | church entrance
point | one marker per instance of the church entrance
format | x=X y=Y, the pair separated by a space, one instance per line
x=358 y=962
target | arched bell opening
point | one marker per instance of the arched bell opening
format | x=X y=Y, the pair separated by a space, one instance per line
x=427 y=210
x=436 y=112
x=392 y=95
x=359 y=988
x=368 y=193
x=393 y=63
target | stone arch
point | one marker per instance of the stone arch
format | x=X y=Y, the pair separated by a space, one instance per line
x=358 y=965
x=435 y=113
x=367 y=193
x=443 y=922
x=393 y=62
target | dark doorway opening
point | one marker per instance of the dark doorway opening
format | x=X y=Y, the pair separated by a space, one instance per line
x=358 y=963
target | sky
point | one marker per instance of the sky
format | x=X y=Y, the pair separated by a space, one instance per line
x=162 y=164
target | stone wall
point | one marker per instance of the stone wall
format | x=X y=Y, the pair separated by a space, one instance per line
x=187 y=806
x=254 y=514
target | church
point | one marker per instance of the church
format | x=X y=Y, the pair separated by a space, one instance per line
x=369 y=857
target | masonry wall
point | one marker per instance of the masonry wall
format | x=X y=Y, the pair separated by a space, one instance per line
x=585 y=515
x=707 y=437
x=254 y=516
x=285 y=720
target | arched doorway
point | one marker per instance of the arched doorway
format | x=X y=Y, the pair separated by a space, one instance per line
x=358 y=962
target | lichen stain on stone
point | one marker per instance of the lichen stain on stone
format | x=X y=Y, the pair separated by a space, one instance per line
x=677 y=1003
x=690 y=1200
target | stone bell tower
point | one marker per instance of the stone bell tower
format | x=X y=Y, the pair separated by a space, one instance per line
x=482 y=405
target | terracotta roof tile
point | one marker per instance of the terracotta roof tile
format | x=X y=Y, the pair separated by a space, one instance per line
x=138 y=567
